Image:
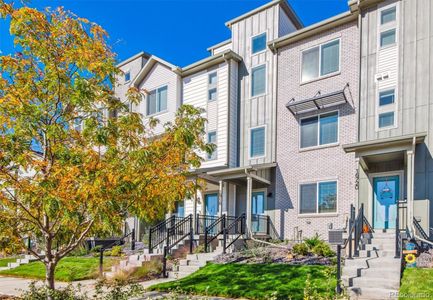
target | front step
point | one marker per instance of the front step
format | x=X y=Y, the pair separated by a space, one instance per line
x=367 y=293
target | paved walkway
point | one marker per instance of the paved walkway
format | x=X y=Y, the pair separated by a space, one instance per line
x=12 y=286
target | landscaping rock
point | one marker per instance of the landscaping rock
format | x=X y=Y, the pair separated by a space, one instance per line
x=425 y=259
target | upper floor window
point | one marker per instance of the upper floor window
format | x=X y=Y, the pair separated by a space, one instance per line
x=212 y=86
x=318 y=197
x=387 y=38
x=212 y=139
x=127 y=76
x=157 y=101
x=386 y=109
x=257 y=142
x=388 y=15
x=319 y=130
x=258 y=43
x=258 y=81
x=321 y=60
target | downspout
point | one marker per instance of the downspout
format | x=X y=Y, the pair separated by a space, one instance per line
x=359 y=70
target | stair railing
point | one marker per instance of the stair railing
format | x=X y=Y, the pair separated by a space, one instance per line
x=213 y=230
x=236 y=227
x=158 y=233
x=174 y=235
x=202 y=221
x=356 y=228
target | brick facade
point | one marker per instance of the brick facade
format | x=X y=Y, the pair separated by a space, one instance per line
x=297 y=165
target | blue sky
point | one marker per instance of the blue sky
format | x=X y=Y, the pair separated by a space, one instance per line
x=178 y=31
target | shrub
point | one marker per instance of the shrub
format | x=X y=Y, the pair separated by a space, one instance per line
x=81 y=250
x=323 y=249
x=300 y=249
x=313 y=242
x=199 y=249
x=116 y=251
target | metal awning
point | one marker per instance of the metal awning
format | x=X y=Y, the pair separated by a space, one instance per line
x=318 y=102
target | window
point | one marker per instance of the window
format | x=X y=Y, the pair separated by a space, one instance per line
x=386 y=97
x=318 y=198
x=127 y=76
x=386 y=119
x=258 y=43
x=211 y=138
x=388 y=15
x=257 y=142
x=319 y=130
x=387 y=38
x=212 y=86
x=258 y=81
x=321 y=60
x=157 y=101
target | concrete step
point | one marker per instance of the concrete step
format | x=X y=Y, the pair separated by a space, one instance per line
x=376 y=246
x=13 y=265
x=187 y=269
x=391 y=273
x=186 y=262
x=385 y=283
x=381 y=262
x=203 y=256
x=372 y=293
x=177 y=274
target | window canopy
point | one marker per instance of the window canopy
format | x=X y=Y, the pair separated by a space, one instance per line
x=318 y=102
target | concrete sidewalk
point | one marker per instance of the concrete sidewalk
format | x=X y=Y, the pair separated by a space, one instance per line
x=12 y=286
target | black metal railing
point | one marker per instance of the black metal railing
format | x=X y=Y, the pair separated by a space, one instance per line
x=118 y=242
x=420 y=230
x=158 y=233
x=202 y=221
x=235 y=228
x=356 y=228
x=213 y=230
x=180 y=230
x=400 y=225
x=260 y=224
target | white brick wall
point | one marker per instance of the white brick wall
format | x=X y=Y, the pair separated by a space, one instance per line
x=296 y=166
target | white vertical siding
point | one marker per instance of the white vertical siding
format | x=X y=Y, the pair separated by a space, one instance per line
x=233 y=118
x=285 y=25
x=222 y=48
x=134 y=67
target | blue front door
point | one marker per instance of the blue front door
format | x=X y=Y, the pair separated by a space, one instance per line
x=257 y=211
x=386 y=192
x=211 y=204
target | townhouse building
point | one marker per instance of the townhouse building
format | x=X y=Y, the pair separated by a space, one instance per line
x=307 y=120
x=317 y=104
x=236 y=86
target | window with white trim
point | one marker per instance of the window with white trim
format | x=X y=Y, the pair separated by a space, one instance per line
x=318 y=197
x=387 y=26
x=257 y=142
x=258 y=81
x=386 y=108
x=157 y=101
x=212 y=139
x=319 y=130
x=321 y=60
x=127 y=76
x=212 y=86
x=258 y=43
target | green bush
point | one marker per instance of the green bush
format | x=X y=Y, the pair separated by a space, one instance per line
x=300 y=249
x=81 y=250
x=116 y=251
x=323 y=249
x=199 y=249
x=313 y=242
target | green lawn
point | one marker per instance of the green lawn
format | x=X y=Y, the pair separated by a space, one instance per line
x=4 y=261
x=417 y=283
x=254 y=281
x=68 y=269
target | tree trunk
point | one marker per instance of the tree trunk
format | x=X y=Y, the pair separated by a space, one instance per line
x=49 y=276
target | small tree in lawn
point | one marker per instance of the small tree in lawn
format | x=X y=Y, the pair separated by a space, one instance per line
x=59 y=184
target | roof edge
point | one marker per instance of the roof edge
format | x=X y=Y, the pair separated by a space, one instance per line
x=314 y=29
x=219 y=44
x=149 y=65
x=289 y=10
x=210 y=61
x=134 y=57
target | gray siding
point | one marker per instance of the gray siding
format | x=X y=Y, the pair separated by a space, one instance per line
x=415 y=78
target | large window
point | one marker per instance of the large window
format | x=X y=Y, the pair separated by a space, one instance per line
x=157 y=101
x=319 y=130
x=257 y=142
x=212 y=139
x=318 y=197
x=258 y=43
x=258 y=80
x=212 y=86
x=321 y=60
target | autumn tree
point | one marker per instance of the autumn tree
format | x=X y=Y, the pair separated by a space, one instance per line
x=60 y=183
